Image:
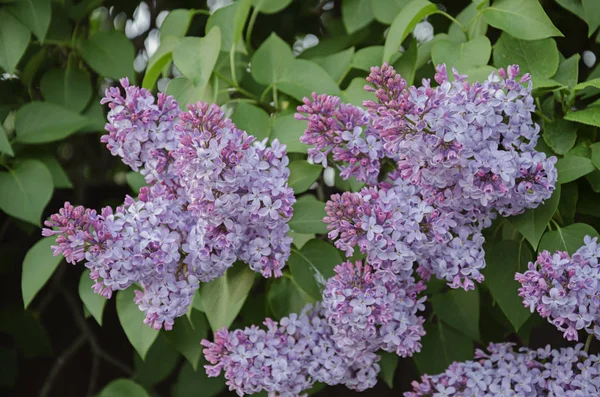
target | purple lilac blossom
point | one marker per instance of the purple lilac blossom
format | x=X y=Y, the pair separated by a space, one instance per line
x=502 y=371
x=287 y=357
x=215 y=196
x=565 y=289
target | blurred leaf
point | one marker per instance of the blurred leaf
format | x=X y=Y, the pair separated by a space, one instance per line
x=573 y=167
x=289 y=130
x=302 y=77
x=336 y=64
x=355 y=92
x=312 y=265
x=385 y=11
x=110 y=53
x=93 y=302
x=270 y=60
x=568 y=202
x=158 y=365
x=471 y=18
x=60 y=179
x=192 y=383
x=503 y=260
x=404 y=23
x=223 y=297
x=568 y=238
x=356 y=14
x=589 y=116
x=253 y=120
x=176 y=23
x=38 y=266
x=441 y=347
x=239 y=19
x=123 y=388
x=286 y=297
x=41 y=122
x=223 y=19
x=196 y=57
x=159 y=60
x=270 y=6
x=568 y=71
x=187 y=334
x=69 y=87
x=5 y=146
x=406 y=66
x=26 y=330
x=323 y=256
x=300 y=239
x=35 y=14
x=388 y=364
x=591 y=12
x=135 y=180
x=523 y=19
x=462 y=56
x=560 y=135
x=367 y=57
x=8 y=376
x=185 y=92
x=303 y=175
x=308 y=216
x=590 y=83
x=15 y=38
x=532 y=222
x=25 y=190
x=140 y=335
x=459 y=309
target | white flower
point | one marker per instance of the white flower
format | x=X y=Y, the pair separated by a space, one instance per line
x=589 y=58
x=329 y=176
x=423 y=32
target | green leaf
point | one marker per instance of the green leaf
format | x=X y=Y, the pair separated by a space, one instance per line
x=336 y=64
x=140 y=335
x=158 y=365
x=25 y=190
x=196 y=57
x=5 y=146
x=471 y=18
x=568 y=72
x=406 y=66
x=176 y=23
x=356 y=14
x=253 y=120
x=110 y=53
x=270 y=60
x=441 y=347
x=595 y=148
x=185 y=92
x=38 y=266
x=388 y=364
x=573 y=167
x=68 y=87
x=503 y=260
x=560 y=135
x=308 y=216
x=302 y=77
x=303 y=175
x=532 y=222
x=590 y=83
x=93 y=302
x=41 y=122
x=223 y=297
x=14 y=37
x=385 y=11
x=270 y=6
x=25 y=330
x=312 y=265
x=367 y=57
x=223 y=18
x=289 y=130
x=462 y=56
x=195 y=384
x=355 y=92
x=591 y=12
x=123 y=388
x=135 y=180
x=187 y=334
x=538 y=57
x=404 y=23
x=239 y=19
x=459 y=309
x=35 y=14
x=589 y=116
x=300 y=239
x=569 y=196
x=60 y=179
x=523 y=19
x=568 y=238
x=159 y=60
x=286 y=297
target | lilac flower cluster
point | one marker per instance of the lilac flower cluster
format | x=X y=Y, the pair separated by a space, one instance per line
x=506 y=372
x=215 y=196
x=565 y=290
x=463 y=153
x=287 y=357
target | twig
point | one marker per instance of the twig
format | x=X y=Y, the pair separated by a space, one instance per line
x=93 y=375
x=59 y=364
x=588 y=342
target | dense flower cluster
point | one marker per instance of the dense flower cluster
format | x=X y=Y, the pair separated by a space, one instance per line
x=215 y=196
x=287 y=357
x=463 y=153
x=505 y=372
x=565 y=289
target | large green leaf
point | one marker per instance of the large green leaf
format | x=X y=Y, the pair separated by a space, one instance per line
x=589 y=116
x=93 y=302
x=355 y=92
x=185 y=92
x=356 y=14
x=25 y=190
x=187 y=334
x=404 y=23
x=38 y=266
x=5 y=146
x=503 y=260
x=196 y=383
x=441 y=347
x=459 y=309
x=35 y=14
x=406 y=65
x=270 y=60
x=68 y=87
x=560 y=135
x=385 y=11
x=14 y=38
x=312 y=265
x=568 y=238
x=303 y=175
x=223 y=297
x=302 y=77
x=573 y=167
x=336 y=64
x=523 y=19
x=388 y=364
x=176 y=23
x=289 y=130
x=196 y=57
x=41 y=122
x=123 y=388
x=159 y=60
x=286 y=297
x=270 y=6
x=110 y=53
x=591 y=12
x=471 y=18
x=532 y=222
x=462 y=56
x=158 y=364
x=568 y=72
x=140 y=335
x=569 y=196
x=367 y=57
x=308 y=216
x=252 y=119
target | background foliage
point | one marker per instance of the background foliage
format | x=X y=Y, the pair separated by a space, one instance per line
x=258 y=59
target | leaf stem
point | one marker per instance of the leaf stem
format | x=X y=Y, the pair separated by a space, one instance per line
x=454 y=20
x=201 y=12
x=232 y=65
x=235 y=86
x=60 y=363
x=251 y=23
x=588 y=342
